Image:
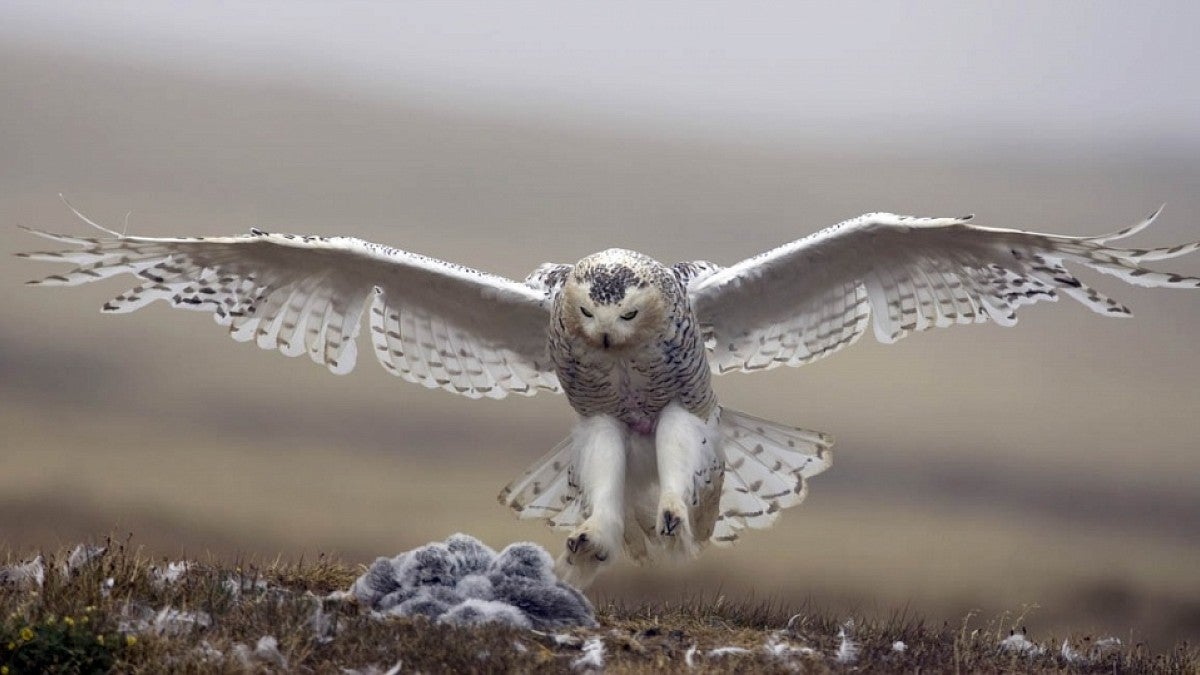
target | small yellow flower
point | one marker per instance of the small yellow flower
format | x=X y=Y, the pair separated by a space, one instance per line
x=12 y=646
x=51 y=621
x=89 y=608
x=130 y=640
x=26 y=634
x=69 y=621
x=99 y=639
x=3 y=670
x=83 y=619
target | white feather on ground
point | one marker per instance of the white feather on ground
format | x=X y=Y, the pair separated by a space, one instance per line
x=25 y=576
x=593 y=655
x=171 y=573
x=847 y=652
x=81 y=556
x=1017 y=642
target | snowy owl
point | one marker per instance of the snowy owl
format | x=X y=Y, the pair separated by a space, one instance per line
x=655 y=466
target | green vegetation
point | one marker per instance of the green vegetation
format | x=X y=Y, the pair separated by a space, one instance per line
x=68 y=643
x=125 y=612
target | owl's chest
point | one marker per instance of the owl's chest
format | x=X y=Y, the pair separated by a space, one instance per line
x=629 y=382
x=629 y=387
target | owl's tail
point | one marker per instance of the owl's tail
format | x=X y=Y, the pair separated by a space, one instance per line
x=766 y=470
x=548 y=490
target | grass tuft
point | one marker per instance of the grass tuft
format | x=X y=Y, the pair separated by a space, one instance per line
x=120 y=612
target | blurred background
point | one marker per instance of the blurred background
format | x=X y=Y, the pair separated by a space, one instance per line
x=978 y=468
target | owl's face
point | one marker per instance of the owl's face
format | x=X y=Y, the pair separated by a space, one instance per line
x=612 y=319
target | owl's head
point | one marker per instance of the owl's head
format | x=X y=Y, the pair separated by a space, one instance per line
x=610 y=301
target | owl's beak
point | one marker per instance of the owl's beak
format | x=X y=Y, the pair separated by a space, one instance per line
x=606 y=341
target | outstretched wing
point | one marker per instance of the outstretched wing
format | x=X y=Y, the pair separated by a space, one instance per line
x=812 y=297
x=431 y=322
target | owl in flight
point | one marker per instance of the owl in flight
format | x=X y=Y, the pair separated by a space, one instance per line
x=655 y=466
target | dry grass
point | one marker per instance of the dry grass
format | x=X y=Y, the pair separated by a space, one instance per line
x=79 y=623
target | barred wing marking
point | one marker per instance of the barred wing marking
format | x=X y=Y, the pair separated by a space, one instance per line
x=810 y=298
x=767 y=467
x=431 y=322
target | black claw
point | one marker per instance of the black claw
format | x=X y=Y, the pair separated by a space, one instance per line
x=574 y=544
x=670 y=523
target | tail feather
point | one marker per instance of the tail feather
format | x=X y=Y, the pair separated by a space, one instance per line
x=766 y=470
x=547 y=490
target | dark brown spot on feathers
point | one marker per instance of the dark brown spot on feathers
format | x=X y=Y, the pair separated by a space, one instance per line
x=609 y=283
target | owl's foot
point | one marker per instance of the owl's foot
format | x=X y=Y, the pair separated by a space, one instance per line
x=674 y=519
x=669 y=523
x=675 y=526
x=590 y=547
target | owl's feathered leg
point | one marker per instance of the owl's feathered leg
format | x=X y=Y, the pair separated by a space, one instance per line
x=690 y=471
x=641 y=499
x=599 y=471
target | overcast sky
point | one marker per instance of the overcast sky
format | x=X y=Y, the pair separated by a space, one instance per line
x=1074 y=71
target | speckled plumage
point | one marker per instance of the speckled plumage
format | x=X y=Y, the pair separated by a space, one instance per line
x=634 y=386
x=654 y=466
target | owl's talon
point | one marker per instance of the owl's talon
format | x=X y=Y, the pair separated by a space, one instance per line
x=670 y=523
x=589 y=548
x=577 y=543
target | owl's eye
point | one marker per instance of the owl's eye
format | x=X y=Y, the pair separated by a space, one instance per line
x=583 y=310
x=627 y=316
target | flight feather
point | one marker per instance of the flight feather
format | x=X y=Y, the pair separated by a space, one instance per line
x=899 y=274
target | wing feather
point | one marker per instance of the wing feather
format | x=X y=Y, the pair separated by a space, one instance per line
x=816 y=295
x=431 y=322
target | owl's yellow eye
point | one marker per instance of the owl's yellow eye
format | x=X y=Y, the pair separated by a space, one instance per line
x=629 y=315
x=583 y=310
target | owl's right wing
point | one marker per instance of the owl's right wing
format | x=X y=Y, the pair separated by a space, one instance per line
x=432 y=322
x=810 y=298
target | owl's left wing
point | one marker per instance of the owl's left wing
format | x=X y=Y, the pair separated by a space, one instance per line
x=812 y=297
x=432 y=322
